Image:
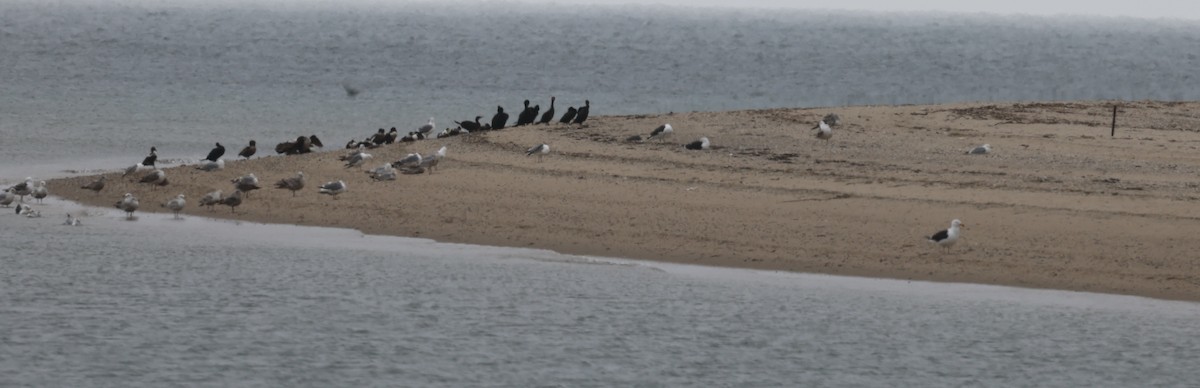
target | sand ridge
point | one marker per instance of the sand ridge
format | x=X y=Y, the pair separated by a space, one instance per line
x=1058 y=203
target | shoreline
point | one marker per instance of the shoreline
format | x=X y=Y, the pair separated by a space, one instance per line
x=1058 y=204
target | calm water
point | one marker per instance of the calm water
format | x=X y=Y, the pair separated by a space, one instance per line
x=159 y=302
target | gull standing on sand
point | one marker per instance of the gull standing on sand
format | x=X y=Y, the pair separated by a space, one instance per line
x=233 y=200
x=96 y=185
x=701 y=144
x=156 y=178
x=246 y=183
x=211 y=199
x=980 y=150
x=427 y=128
x=824 y=132
x=358 y=158
x=540 y=149
x=294 y=183
x=40 y=192
x=333 y=188
x=661 y=132
x=208 y=165
x=947 y=237
x=128 y=204
x=176 y=204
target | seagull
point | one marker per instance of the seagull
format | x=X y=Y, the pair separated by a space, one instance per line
x=294 y=183
x=946 y=238
x=540 y=149
x=176 y=204
x=156 y=177
x=249 y=150
x=701 y=144
x=210 y=199
x=150 y=159
x=128 y=204
x=383 y=173
x=6 y=197
x=358 y=158
x=72 y=221
x=661 y=132
x=441 y=152
x=246 y=183
x=96 y=185
x=40 y=191
x=980 y=150
x=216 y=153
x=233 y=200
x=24 y=188
x=24 y=209
x=333 y=188
x=824 y=132
x=427 y=128
x=208 y=165
x=413 y=159
x=132 y=169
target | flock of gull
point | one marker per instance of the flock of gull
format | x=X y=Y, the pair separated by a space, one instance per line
x=413 y=163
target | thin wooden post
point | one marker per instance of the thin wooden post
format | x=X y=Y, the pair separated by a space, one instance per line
x=1114 y=123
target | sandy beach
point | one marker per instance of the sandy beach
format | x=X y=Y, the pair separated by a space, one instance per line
x=1058 y=203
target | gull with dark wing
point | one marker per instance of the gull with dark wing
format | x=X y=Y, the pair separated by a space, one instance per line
x=661 y=132
x=24 y=188
x=701 y=144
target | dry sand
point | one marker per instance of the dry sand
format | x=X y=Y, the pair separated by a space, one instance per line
x=1058 y=204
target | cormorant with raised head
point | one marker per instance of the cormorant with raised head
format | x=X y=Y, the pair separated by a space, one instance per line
x=582 y=113
x=549 y=115
x=500 y=119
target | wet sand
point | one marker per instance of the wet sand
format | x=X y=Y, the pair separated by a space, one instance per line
x=1059 y=203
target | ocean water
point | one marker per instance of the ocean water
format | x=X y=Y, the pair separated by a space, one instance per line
x=160 y=302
